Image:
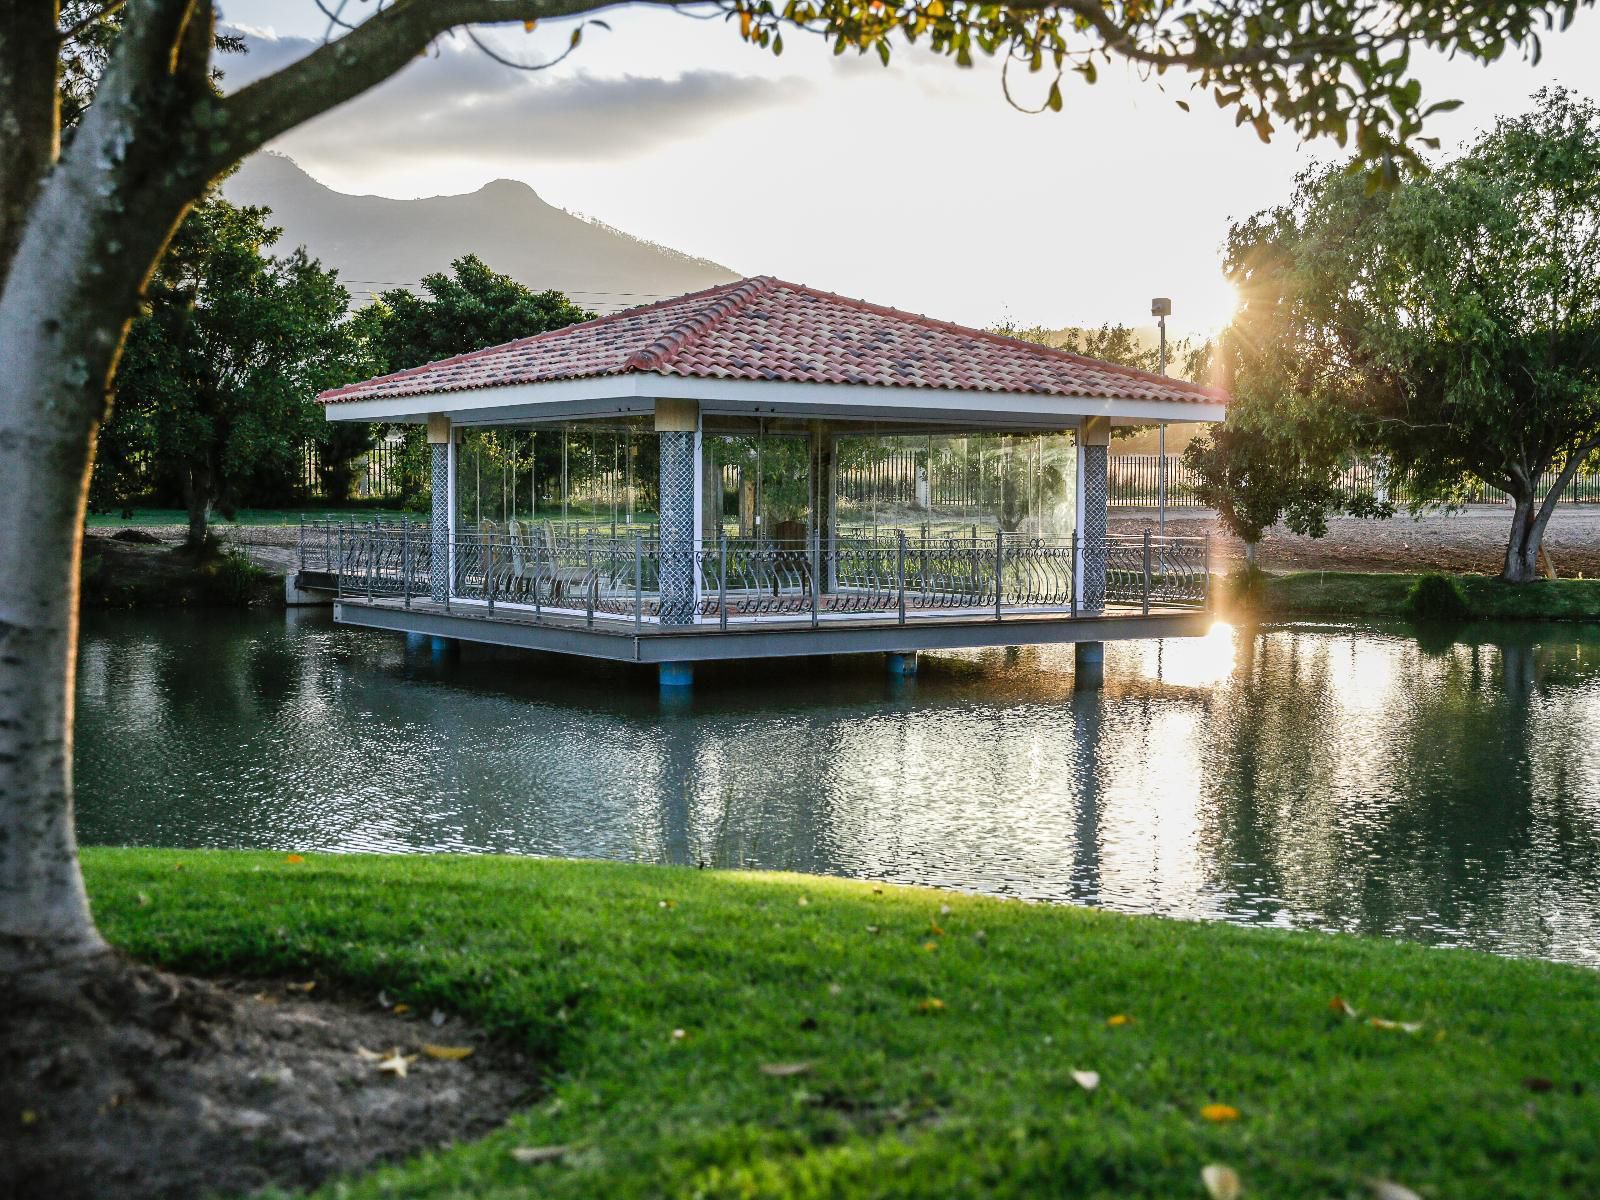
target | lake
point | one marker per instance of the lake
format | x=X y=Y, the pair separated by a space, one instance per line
x=1442 y=787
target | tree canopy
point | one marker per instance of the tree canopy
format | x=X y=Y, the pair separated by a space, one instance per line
x=218 y=377
x=1450 y=325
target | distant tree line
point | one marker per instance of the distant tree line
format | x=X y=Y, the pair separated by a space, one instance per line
x=219 y=375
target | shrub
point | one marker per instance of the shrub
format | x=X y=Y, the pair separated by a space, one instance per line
x=1436 y=597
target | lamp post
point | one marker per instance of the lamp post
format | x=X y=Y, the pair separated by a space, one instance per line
x=1161 y=309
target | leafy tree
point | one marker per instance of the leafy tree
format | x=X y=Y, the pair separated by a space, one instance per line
x=82 y=227
x=1110 y=343
x=1452 y=324
x=468 y=309
x=219 y=374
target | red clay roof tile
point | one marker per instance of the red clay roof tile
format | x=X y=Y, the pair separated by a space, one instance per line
x=766 y=329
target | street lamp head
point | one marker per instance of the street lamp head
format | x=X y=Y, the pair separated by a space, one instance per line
x=1161 y=306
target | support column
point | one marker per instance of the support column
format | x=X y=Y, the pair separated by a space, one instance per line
x=678 y=427
x=439 y=437
x=824 y=491
x=902 y=663
x=1094 y=448
x=1089 y=666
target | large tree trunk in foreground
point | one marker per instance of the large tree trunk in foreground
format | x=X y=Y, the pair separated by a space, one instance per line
x=1531 y=516
x=94 y=230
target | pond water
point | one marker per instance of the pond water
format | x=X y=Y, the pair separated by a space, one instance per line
x=1443 y=788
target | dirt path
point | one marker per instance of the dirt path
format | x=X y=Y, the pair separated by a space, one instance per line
x=1469 y=541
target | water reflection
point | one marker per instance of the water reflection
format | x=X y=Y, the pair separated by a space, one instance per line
x=1445 y=789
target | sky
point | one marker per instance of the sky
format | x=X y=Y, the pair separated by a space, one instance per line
x=915 y=185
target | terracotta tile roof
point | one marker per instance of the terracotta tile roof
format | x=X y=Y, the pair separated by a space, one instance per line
x=766 y=329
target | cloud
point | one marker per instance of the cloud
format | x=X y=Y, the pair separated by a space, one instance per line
x=460 y=104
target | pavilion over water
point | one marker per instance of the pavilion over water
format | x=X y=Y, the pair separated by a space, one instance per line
x=764 y=469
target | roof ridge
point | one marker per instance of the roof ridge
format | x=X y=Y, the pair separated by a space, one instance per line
x=593 y=322
x=990 y=336
x=692 y=328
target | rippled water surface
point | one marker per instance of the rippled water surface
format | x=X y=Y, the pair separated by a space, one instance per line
x=1446 y=789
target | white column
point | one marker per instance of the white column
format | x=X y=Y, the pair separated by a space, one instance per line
x=1094 y=443
x=680 y=497
x=441 y=449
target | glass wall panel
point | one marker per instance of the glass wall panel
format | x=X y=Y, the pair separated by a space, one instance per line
x=942 y=485
x=758 y=486
x=577 y=477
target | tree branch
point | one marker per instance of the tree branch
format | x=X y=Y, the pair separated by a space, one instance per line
x=363 y=58
x=31 y=129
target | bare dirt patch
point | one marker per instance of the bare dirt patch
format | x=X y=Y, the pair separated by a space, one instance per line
x=1473 y=540
x=118 y=1080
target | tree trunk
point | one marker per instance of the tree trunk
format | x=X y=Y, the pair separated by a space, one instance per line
x=94 y=230
x=1522 y=549
x=197 y=497
x=1250 y=556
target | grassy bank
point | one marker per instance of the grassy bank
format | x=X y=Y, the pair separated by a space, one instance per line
x=1359 y=595
x=927 y=1039
x=118 y=574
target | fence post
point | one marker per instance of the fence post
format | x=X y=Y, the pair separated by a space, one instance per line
x=638 y=584
x=338 y=566
x=816 y=546
x=999 y=570
x=538 y=573
x=301 y=542
x=900 y=571
x=372 y=556
x=591 y=584
x=1147 y=572
x=1072 y=575
x=722 y=581
x=327 y=543
x=405 y=561
x=1205 y=568
x=488 y=580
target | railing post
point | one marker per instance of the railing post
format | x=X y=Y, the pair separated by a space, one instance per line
x=538 y=574
x=638 y=583
x=488 y=579
x=1205 y=571
x=300 y=542
x=372 y=556
x=722 y=581
x=327 y=542
x=816 y=546
x=1147 y=572
x=338 y=566
x=405 y=562
x=591 y=584
x=999 y=570
x=1072 y=575
x=900 y=571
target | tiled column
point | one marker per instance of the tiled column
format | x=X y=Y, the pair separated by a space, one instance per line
x=439 y=522
x=678 y=427
x=1094 y=447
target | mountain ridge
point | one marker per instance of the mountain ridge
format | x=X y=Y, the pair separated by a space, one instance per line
x=379 y=242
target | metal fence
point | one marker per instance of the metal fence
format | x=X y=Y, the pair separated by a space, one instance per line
x=593 y=575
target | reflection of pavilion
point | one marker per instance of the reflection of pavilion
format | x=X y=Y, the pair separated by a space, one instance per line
x=764 y=470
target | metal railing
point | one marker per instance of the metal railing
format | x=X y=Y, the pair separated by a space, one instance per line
x=896 y=577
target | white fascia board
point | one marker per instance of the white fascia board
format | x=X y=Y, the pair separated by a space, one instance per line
x=614 y=395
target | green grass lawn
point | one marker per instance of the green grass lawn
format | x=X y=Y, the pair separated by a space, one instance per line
x=941 y=1032
x=1356 y=595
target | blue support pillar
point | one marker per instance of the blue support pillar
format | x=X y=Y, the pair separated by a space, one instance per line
x=1089 y=666
x=444 y=649
x=902 y=664
x=677 y=675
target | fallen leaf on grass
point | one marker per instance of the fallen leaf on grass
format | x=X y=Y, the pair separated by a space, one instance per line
x=935 y=928
x=1388 y=1189
x=300 y=987
x=1219 y=1112
x=802 y=902
x=874 y=929
x=437 y=1019
x=1222 y=1182
x=446 y=1053
x=400 y=1010
x=1087 y=1080
x=368 y=1055
x=1404 y=1026
x=1535 y=1083
x=930 y=946
x=533 y=1156
x=945 y=910
x=668 y=904
x=1118 y=1019
x=931 y=1005
x=294 y=858
x=785 y=1070
x=144 y=901
x=1343 y=1007
x=396 y=1063
x=678 y=1035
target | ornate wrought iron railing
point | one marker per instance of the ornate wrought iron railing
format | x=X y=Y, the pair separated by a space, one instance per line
x=542 y=569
